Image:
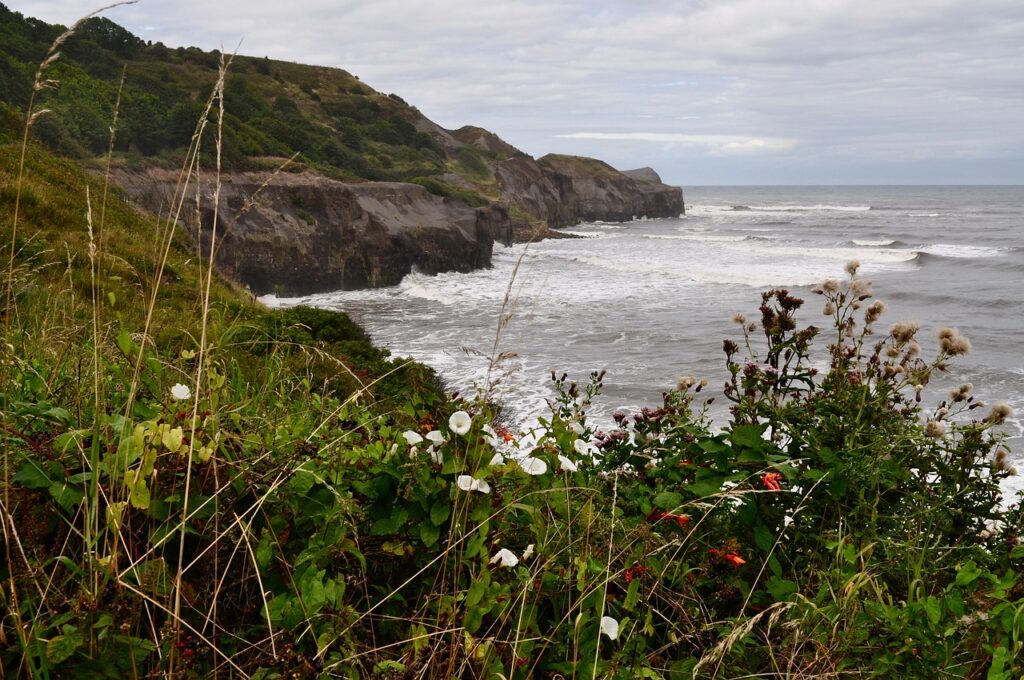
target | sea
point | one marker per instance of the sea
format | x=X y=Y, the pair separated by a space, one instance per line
x=652 y=299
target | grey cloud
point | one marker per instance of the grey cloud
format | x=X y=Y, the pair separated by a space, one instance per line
x=866 y=90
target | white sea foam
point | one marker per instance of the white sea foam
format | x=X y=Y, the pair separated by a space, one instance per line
x=425 y=288
x=962 y=251
x=740 y=209
x=697 y=236
x=922 y=214
x=870 y=242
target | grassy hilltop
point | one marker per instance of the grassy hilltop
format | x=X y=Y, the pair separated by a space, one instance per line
x=194 y=486
x=340 y=126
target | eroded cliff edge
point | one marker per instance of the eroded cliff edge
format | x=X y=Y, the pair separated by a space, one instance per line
x=304 y=233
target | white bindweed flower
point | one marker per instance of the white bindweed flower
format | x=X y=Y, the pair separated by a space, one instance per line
x=490 y=436
x=610 y=627
x=467 y=483
x=528 y=553
x=533 y=466
x=576 y=427
x=180 y=392
x=436 y=456
x=412 y=438
x=436 y=437
x=460 y=422
x=497 y=459
x=506 y=557
x=585 y=448
x=566 y=464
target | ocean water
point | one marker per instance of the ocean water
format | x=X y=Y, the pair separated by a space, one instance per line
x=651 y=300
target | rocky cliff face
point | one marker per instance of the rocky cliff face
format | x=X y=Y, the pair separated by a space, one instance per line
x=305 y=233
x=565 y=190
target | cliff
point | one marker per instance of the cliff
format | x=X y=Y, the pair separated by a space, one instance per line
x=305 y=233
x=562 y=190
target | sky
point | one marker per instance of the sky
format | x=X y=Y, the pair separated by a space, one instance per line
x=717 y=92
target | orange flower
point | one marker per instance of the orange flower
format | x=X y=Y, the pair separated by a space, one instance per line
x=771 y=481
x=734 y=559
x=505 y=435
x=657 y=516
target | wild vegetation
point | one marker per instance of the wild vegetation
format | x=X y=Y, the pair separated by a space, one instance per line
x=194 y=485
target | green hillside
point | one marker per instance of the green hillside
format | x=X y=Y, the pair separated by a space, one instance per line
x=338 y=125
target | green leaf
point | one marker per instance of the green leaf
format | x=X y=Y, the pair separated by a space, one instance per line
x=780 y=588
x=997 y=670
x=748 y=436
x=301 y=482
x=126 y=345
x=71 y=438
x=933 y=607
x=264 y=551
x=61 y=647
x=475 y=593
x=311 y=586
x=138 y=494
x=763 y=537
x=632 y=595
x=67 y=497
x=32 y=476
x=429 y=533
x=968 y=573
x=391 y=524
x=440 y=512
x=668 y=500
x=706 y=484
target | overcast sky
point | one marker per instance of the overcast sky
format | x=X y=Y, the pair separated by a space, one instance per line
x=705 y=91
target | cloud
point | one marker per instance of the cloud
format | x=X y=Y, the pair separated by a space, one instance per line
x=719 y=144
x=865 y=83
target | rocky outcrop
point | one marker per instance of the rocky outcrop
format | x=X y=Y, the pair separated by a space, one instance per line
x=658 y=198
x=565 y=190
x=305 y=233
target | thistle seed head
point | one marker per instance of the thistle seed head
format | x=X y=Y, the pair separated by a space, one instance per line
x=961 y=393
x=876 y=310
x=952 y=343
x=860 y=288
x=999 y=414
x=934 y=429
x=904 y=331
